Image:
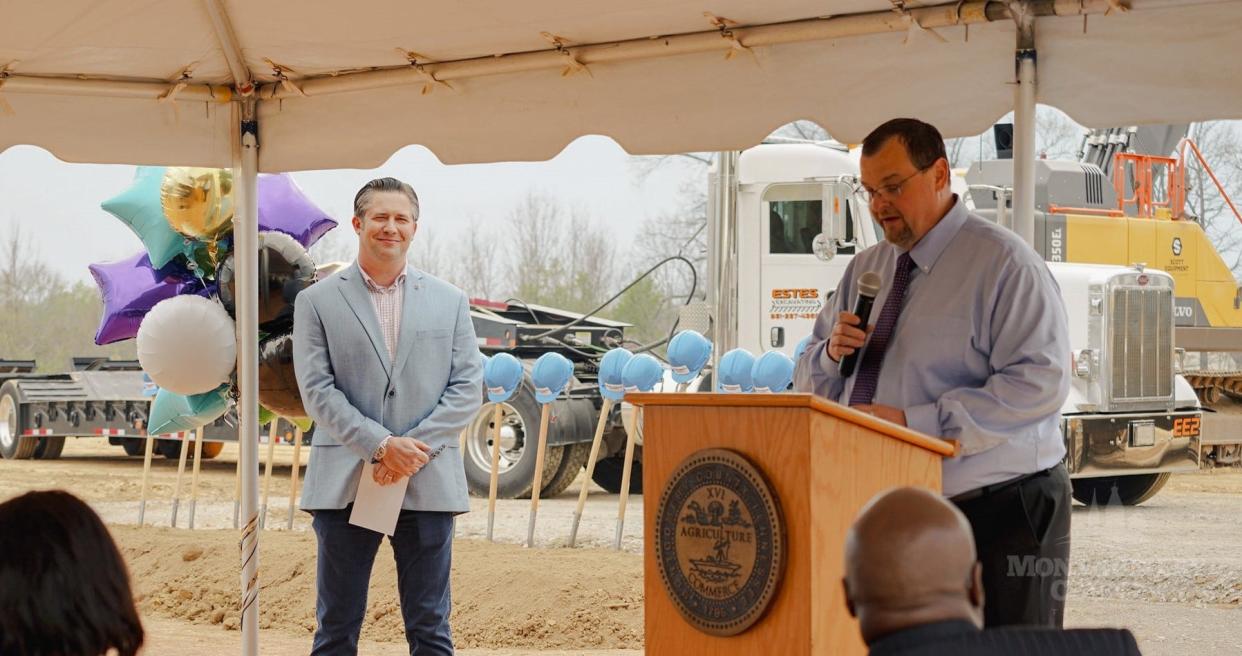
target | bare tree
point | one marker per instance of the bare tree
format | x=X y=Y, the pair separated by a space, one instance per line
x=802 y=130
x=41 y=317
x=427 y=253
x=1057 y=136
x=1221 y=145
x=645 y=166
x=481 y=262
x=681 y=232
x=23 y=277
x=592 y=273
x=340 y=244
x=559 y=257
x=536 y=240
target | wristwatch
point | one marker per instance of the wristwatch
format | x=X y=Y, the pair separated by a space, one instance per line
x=380 y=451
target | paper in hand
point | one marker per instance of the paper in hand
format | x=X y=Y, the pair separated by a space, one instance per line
x=377 y=506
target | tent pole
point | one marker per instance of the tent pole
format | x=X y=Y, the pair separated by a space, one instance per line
x=1024 y=123
x=246 y=254
x=722 y=258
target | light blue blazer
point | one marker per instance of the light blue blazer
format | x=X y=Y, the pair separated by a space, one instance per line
x=357 y=395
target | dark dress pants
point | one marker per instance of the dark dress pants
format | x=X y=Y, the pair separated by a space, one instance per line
x=1022 y=535
x=422 y=548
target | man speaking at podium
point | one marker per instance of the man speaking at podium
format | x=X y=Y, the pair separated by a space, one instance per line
x=967 y=340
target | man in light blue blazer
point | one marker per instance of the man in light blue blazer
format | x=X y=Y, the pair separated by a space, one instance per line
x=388 y=366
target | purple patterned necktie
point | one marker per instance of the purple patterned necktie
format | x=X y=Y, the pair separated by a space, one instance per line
x=869 y=369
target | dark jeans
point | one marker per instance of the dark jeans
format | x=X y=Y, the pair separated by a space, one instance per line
x=1022 y=535
x=422 y=548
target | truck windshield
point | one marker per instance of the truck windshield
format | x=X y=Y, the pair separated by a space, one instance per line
x=793 y=224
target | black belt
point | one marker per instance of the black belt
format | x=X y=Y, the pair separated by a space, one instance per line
x=971 y=495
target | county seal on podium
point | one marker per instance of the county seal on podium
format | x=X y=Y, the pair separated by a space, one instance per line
x=720 y=541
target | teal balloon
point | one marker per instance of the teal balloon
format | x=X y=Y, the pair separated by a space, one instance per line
x=140 y=208
x=174 y=413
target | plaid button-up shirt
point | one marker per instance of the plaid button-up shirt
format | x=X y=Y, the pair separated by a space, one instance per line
x=387 y=302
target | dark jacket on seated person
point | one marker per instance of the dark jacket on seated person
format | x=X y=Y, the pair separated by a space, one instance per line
x=962 y=638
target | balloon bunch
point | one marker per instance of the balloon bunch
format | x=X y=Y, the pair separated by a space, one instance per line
x=177 y=296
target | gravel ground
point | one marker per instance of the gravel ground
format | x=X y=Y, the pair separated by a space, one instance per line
x=1170 y=570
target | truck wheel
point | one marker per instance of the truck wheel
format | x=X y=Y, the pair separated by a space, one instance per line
x=210 y=449
x=50 y=448
x=580 y=430
x=134 y=446
x=573 y=459
x=172 y=449
x=519 y=439
x=13 y=445
x=608 y=473
x=1130 y=490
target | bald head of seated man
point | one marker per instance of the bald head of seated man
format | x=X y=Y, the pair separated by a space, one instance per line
x=913 y=581
x=910 y=560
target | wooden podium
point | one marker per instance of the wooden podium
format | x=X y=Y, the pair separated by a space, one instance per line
x=821 y=462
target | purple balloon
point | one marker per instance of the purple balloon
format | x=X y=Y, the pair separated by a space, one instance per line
x=131 y=287
x=283 y=207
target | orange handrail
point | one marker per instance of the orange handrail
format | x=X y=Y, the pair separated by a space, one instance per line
x=1143 y=199
x=1144 y=181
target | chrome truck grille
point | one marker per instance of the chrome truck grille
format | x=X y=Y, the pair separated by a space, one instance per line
x=1140 y=343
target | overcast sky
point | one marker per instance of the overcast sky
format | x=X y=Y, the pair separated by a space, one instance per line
x=56 y=204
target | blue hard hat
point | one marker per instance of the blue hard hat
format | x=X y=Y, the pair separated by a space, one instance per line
x=801 y=348
x=735 y=368
x=550 y=375
x=149 y=388
x=611 y=366
x=502 y=374
x=642 y=373
x=772 y=372
x=687 y=354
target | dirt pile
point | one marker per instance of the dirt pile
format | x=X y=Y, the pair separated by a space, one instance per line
x=504 y=596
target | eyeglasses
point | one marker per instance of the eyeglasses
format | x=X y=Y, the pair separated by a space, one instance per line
x=889 y=191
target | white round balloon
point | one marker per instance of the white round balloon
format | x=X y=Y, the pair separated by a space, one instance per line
x=187 y=344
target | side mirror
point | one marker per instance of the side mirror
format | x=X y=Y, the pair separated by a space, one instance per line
x=835 y=220
x=824 y=247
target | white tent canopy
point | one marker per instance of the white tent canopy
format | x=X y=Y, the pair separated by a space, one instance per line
x=324 y=84
x=654 y=75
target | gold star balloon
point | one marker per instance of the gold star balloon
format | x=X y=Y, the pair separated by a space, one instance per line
x=198 y=202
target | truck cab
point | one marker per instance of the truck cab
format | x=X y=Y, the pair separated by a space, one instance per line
x=782 y=190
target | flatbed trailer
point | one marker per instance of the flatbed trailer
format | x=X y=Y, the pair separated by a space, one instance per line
x=98 y=398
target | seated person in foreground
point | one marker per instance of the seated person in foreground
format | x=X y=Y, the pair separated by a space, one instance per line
x=64 y=587
x=913 y=582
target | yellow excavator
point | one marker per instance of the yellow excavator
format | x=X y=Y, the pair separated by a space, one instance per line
x=1124 y=202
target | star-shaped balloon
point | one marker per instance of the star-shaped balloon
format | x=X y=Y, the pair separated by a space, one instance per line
x=284 y=208
x=139 y=208
x=131 y=287
x=173 y=413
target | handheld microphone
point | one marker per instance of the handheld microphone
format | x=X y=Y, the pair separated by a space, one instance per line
x=868 y=286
